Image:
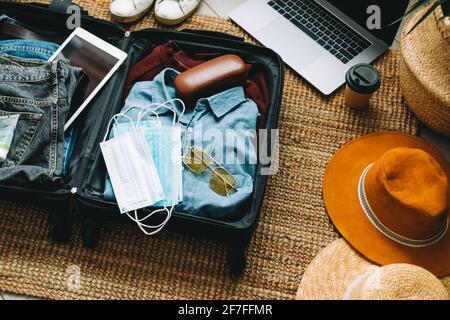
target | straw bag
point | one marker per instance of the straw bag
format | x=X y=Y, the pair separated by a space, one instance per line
x=425 y=69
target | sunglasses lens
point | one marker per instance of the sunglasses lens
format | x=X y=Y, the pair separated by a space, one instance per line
x=197 y=160
x=222 y=182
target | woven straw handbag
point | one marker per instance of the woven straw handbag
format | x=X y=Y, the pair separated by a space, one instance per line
x=425 y=69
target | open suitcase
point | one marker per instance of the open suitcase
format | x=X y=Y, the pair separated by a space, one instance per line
x=79 y=196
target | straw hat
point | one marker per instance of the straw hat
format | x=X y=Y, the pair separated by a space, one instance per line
x=424 y=66
x=387 y=194
x=340 y=272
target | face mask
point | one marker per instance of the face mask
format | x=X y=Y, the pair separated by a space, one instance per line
x=164 y=144
x=132 y=172
x=7 y=126
x=170 y=168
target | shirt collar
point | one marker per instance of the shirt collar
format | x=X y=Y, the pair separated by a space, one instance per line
x=163 y=88
x=224 y=102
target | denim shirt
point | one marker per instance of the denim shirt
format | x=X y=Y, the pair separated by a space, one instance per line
x=40 y=93
x=223 y=125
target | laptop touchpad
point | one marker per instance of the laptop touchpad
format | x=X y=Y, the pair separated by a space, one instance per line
x=296 y=48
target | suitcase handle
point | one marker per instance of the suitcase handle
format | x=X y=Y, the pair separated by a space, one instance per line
x=213 y=34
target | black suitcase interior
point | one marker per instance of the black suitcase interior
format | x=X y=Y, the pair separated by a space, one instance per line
x=78 y=197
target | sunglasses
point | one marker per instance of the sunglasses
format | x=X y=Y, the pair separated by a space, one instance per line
x=221 y=181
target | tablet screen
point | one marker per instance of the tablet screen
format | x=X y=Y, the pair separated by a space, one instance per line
x=95 y=62
x=99 y=60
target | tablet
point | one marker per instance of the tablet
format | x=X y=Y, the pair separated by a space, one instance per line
x=99 y=60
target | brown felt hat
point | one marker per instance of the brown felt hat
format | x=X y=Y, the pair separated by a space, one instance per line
x=387 y=194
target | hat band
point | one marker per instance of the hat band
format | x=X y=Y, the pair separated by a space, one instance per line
x=385 y=230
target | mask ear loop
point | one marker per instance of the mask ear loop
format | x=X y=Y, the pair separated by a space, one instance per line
x=158 y=106
x=146 y=109
x=181 y=114
x=164 y=105
x=114 y=118
x=151 y=214
x=173 y=103
x=136 y=107
x=137 y=220
x=142 y=107
x=158 y=227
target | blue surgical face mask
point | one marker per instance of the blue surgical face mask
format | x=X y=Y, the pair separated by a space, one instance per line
x=164 y=146
x=164 y=143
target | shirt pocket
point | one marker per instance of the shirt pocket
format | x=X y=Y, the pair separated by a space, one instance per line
x=24 y=134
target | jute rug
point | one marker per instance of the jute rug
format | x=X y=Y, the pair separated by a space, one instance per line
x=293 y=228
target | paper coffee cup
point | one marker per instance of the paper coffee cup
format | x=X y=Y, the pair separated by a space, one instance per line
x=362 y=81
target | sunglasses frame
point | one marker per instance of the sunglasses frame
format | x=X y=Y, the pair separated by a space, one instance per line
x=208 y=166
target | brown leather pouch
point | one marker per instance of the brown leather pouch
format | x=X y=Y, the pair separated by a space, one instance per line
x=209 y=78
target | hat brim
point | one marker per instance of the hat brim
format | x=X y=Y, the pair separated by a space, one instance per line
x=340 y=192
x=334 y=269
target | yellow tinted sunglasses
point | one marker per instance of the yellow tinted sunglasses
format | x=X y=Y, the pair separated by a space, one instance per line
x=221 y=181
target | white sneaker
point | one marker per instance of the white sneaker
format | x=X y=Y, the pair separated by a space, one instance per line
x=129 y=10
x=172 y=12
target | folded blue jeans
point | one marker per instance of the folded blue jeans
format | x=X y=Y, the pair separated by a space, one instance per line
x=40 y=50
x=40 y=94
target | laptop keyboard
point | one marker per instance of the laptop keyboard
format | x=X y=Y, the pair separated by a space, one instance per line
x=324 y=28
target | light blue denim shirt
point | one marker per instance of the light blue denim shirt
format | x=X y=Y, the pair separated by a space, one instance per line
x=224 y=125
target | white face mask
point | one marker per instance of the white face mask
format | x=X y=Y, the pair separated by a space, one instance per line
x=132 y=172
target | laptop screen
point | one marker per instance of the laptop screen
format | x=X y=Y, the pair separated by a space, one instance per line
x=390 y=10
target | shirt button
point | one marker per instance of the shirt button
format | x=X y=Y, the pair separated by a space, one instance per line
x=190 y=130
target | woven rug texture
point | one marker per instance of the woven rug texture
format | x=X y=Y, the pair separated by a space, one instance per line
x=293 y=228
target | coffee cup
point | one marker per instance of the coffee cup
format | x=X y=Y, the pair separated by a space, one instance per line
x=362 y=81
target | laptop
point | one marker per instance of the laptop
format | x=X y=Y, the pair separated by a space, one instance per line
x=322 y=39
